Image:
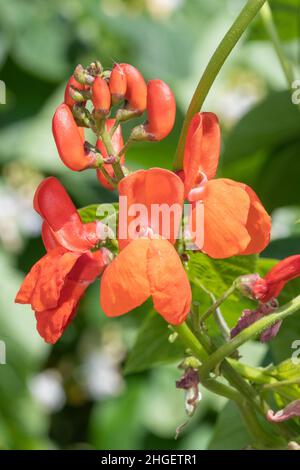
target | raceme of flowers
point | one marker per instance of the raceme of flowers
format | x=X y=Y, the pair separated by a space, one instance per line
x=147 y=264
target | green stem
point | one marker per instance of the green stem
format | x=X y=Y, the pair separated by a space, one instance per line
x=282 y=383
x=217 y=303
x=214 y=66
x=114 y=127
x=125 y=147
x=249 y=333
x=267 y=17
x=106 y=139
x=108 y=178
x=190 y=341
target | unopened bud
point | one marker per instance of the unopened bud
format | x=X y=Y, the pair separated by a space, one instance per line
x=245 y=284
x=82 y=76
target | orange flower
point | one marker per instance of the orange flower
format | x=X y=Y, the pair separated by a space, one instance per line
x=55 y=284
x=149 y=265
x=235 y=221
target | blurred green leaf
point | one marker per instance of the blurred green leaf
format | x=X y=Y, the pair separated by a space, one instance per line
x=282 y=248
x=230 y=432
x=272 y=122
x=152 y=346
x=286 y=19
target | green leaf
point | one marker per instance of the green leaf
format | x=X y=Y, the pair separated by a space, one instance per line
x=272 y=122
x=282 y=247
x=217 y=275
x=230 y=432
x=152 y=346
x=286 y=19
x=98 y=212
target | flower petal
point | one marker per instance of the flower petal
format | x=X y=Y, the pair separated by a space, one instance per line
x=43 y=284
x=154 y=189
x=53 y=203
x=292 y=410
x=258 y=223
x=226 y=208
x=169 y=285
x=125 y=284
x=202 y=148
x=51 y=323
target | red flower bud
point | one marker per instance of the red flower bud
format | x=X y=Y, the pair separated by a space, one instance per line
x=117 y=84
x=69 y=139
x=136 y=89
x=72 y=82
x=117 y=143
x=161 y=109
x=101 y=96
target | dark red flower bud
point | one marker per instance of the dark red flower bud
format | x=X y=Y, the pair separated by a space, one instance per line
x=72 y=83
x=69 y=139
x=101 y=96
x=117 y=143
x=117 y=83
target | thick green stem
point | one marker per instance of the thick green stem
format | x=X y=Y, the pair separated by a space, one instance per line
x=190 y=341
x=267 y=17
x=106 y=139
x=249 y=333
x=230 y=39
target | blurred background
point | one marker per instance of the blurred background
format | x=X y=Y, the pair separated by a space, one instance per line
x=75 y=395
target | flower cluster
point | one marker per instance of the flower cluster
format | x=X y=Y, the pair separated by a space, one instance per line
x=148 y=264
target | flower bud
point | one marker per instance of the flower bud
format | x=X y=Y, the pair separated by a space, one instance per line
x=69 y=139
x=81 y=75
x=161 y=111
x=117 y=84
x=72 y=84
x=136 y=94
x=245 y=284
x=101 y=97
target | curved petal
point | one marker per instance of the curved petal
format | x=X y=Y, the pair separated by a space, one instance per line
x=226 y=208
x=42 y=286
x=258 y=223
x=48 y=237
x=161 y=193
x=202 y=148
x=169 y=285
x=275 y=280
x=53 y=203
x=52 y=323
x=124 y=284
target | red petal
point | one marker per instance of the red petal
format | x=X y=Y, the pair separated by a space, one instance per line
x=152 y=187
x=52 y=323
x=202 y=148
x=170 y=288
x=226 y=208
x=125 y=284
x=54 y=204
x=258 y=223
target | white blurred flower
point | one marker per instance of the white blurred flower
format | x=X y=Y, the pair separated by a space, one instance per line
x=47 y=389
x=163 y=7
x=101 y=375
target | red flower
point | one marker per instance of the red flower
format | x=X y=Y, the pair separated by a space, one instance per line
x=148 y=265
x=274 y=281
x=235 y=222
x=57 y=281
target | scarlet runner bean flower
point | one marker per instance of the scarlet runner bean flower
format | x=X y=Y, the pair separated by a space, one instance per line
x=55 y=284
x=148 y=265
x=117 y=84
x=135 y=95
x=101 y=97
x=117 y=143
x=69 y=139
x=235 y=222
